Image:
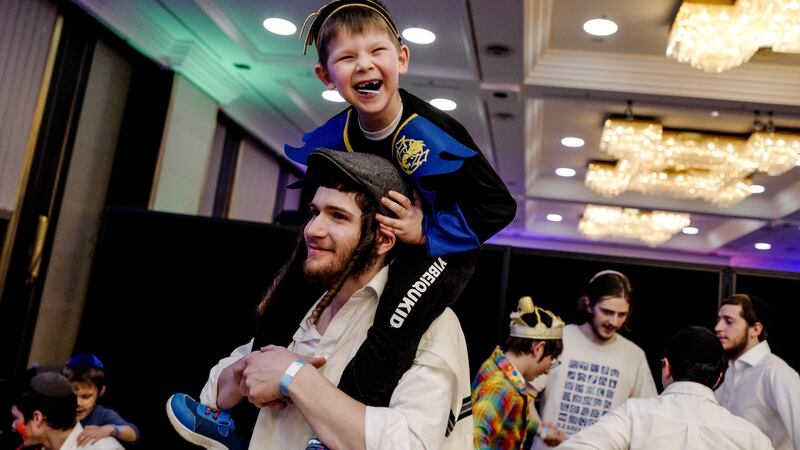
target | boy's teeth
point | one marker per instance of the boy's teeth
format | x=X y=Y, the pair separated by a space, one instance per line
x=370 y=87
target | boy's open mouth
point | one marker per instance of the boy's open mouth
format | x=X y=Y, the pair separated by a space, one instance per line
x=368 y=87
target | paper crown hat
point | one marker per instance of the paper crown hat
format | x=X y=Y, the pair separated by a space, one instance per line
x=521 y=329
x=319 y=17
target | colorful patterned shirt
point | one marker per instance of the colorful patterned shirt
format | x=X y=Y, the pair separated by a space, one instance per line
x=500 y=405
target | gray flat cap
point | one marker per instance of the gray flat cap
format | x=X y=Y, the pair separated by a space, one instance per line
x=375 y=174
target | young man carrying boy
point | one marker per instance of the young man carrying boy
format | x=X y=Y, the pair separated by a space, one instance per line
x=463 y=200
x=86 y=374
x=349 y=254
x=44 y=414
x=500 y=401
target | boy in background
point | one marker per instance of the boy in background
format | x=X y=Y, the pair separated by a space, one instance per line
x=86 y=374
x=44 y=416
x=500 y=401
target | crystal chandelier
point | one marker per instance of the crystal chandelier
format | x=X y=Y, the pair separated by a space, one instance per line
x=690 y=165
x=716 y=38
x=653 y=228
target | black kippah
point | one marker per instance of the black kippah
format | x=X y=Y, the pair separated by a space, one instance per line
x=697 y=345
x=51 y=384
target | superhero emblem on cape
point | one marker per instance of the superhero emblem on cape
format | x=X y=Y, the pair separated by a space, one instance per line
x=410 y=154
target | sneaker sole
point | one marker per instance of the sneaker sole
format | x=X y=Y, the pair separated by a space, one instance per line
x=189 y=435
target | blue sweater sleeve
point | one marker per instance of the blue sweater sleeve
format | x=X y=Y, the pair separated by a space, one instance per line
x=107 y=416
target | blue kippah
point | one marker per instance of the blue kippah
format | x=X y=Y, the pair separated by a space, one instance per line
x=86 y=359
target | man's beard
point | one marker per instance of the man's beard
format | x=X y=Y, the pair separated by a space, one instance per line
x=327 y=276
x=737 y=347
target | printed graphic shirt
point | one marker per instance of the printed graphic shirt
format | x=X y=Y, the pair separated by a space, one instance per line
x=500 y=405
x=592 y=380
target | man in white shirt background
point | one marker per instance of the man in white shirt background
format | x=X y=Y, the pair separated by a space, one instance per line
x=45 y=415
x=301 y=405
x=759 y=385
x=600 y=368
x=686 y=416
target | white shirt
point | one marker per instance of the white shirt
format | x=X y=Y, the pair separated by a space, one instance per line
x=592 y=380
x=106 y=443
x=686 y=416
x=763 y=389
x=426 y=397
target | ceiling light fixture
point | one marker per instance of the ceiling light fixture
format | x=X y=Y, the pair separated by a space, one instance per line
x=444 y=104
x=565 y=172
x=719 y=37
x=279 y=26
x=554 y=217
x=333 y=96
x=763 y=246
x=653 y=228
x=572 y=142
x=690 y=230
x=682 y=164
x=418 y=35
x=600 y=27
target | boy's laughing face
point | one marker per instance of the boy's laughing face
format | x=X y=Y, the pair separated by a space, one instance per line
x=365 y=68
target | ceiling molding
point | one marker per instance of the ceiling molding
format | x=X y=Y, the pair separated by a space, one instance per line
x=576 y=192
x=730 y=230
x=534 y=126
x=538 y=15
x=788 y=200
x=647 y=74
x=228 y=27
x=133 y=24
x=539 y=242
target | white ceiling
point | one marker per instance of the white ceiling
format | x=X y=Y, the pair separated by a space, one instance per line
x=555 y=81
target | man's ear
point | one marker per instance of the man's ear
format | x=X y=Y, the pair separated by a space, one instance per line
x=385 y=241
x=37 y=418
x=404 y=58
x=756 y=329
x=323 y=76
x=102 y=391
x=537 y=350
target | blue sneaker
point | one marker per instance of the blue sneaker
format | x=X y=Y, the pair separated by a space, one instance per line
x=203 y=425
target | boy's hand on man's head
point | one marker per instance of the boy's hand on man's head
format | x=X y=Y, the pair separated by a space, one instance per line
x=408 y=225
x=93 y=433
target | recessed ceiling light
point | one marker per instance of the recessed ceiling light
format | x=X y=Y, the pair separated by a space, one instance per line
x=418 y=35
x=444 y=104
x=279 y=26
x=600 y=27
x=690 y=230
x=565 y=172
x=332 y=96
x=554 y=217
x=756 y=188
x=573 y=142
x=714 y=113
x=762 y=246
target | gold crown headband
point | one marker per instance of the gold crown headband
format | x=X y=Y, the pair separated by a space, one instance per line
x=521 y=329
x=313 y=37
